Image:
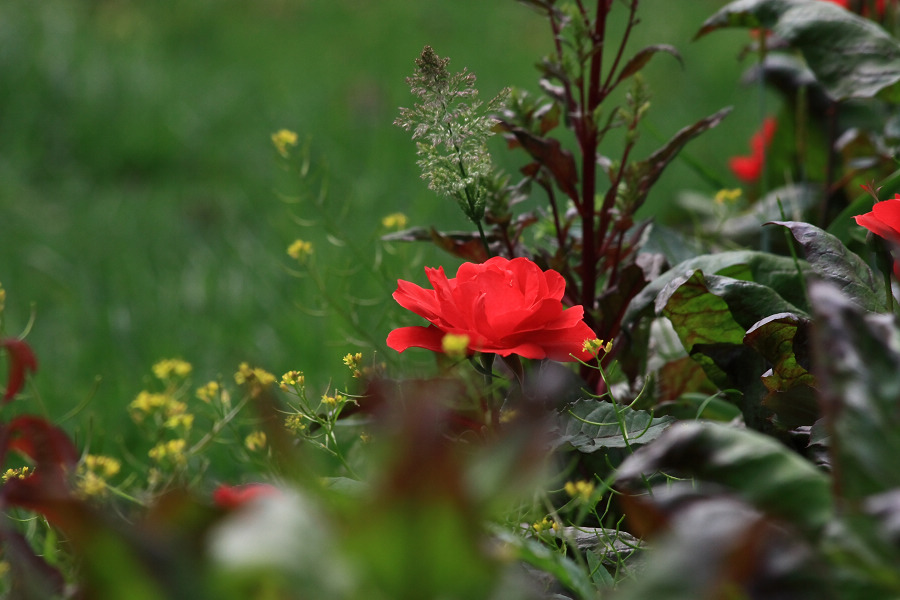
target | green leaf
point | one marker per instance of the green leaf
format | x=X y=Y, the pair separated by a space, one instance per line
x=592 y=425
x=851 y=57
x=711 y=315
x=698 y=315
x=857 y=361
x=754 y=466
x=832 y=262
x=776 y=272
x=716 y=309
x=782 y=340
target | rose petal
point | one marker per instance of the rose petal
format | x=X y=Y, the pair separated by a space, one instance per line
x=416 y=337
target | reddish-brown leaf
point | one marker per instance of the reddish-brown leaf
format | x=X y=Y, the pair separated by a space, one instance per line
x=21 y=359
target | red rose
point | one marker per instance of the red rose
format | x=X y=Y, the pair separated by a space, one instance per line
x=503 y=306
x=235 y=496
x=749 y=168
x=883 y=220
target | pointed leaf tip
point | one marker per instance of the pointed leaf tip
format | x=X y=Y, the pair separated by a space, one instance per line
x=21 y=360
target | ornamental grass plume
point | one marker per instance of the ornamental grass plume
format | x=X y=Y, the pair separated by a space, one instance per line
x=502 y=306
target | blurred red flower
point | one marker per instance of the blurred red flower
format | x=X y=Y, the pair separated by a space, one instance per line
x=503 y=306
x=749 y=168
x=879 y=5
x=234 y=496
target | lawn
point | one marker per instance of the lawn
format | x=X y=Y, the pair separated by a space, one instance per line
x=146 y=215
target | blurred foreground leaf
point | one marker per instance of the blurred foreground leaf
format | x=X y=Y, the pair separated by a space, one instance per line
x=857 y=358
x=755 y=467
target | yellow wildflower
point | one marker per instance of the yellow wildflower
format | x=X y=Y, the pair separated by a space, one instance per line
x=169 y=367
x=282 y=139
x=255 y=441
x=294 y=423
x=352 y=361
x=208 y=391
x=148 y=402
x=258 y=379
x=2 y=297
x=545 y=525
x=94 y=472
x=292 y=378
x=395 y=221
x=183 y=420
x=581 y=489
x=172 y=450
x=728 y=196
x=20 y=473
x=596 y=346
x=332 y=400
x=455 y=346
x=300 y=249
x=106 y=465
x=91 y=484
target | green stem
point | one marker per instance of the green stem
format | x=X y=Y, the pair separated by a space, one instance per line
x=888 y=291
x=487 y=363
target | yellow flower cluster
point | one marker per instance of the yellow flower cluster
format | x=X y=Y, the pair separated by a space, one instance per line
x=258 y=379
x=545 y=525
x=294 y=423
x=255 y=441
x=94 y=473
x=208 y=392
x=171 y=367
x=180 y=421
x=148 y=402
x=580 y=489
x=292 y=379
x=333 y=400
x=174 y=411
x=106 y=465
x=300 y=249
x=20 y=473
x=172 y=450
x=352 y=361
x=455 y=346
x=282 y=139
x=596 y=346
x=395 y=221
x=2 y=297
x=728 y=196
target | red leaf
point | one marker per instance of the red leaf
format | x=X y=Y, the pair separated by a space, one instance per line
x=46 y=490
x=21 y=359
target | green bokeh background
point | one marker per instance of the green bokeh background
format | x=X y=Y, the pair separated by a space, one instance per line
x=144 y=213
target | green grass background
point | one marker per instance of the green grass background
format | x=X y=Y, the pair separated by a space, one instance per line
x=144 y=213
